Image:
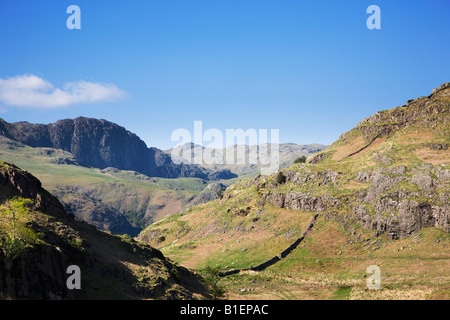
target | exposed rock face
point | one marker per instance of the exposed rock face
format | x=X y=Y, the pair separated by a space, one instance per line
x=14 y=182
x=319 y=157
x=298 y=201
x=400 y=211
x=212 y=191
x=102 y=144
x=395 y=172
x=385 y=205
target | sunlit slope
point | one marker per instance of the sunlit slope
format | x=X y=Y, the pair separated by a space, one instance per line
x=382 y=194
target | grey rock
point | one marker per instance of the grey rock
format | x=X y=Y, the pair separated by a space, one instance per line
x=211 y=192
x=399 y=170
x=363 y=176
x=423 y=181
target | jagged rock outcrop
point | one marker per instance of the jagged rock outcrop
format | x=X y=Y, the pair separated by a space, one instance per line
x=15 y=182
x=101 y=144
x=400 y=211
x=387 y=204
x=212 y=191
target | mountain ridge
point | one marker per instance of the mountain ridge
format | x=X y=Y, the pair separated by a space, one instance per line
x=100 y=143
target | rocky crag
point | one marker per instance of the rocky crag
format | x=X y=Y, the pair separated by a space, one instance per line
x=101 y=144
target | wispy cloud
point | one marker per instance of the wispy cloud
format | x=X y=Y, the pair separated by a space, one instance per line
x=34 y=92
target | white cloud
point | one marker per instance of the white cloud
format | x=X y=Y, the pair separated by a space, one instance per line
x=34 y=92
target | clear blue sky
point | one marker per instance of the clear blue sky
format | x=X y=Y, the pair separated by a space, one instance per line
x=311 y=69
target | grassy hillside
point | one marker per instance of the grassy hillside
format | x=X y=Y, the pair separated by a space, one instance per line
x=382 y=193
x=39 y=241
x=331 y=264
x=114 y=200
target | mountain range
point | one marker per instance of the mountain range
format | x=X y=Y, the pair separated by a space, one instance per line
x=108 y=177
x=288 y=153
x=101 y=144
x=376 y=199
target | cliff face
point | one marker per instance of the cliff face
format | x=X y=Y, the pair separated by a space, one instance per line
x=396 y=201
x=50 y=241
x=102 y=144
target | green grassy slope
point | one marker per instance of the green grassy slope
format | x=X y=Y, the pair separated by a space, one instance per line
x=114 y=200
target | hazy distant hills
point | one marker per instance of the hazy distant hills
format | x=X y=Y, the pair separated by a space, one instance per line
x=288 y=152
